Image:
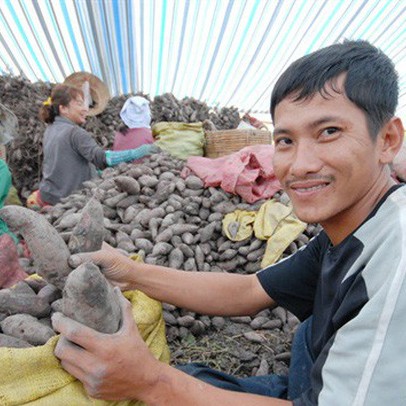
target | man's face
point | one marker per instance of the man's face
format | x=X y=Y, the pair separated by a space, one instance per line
x=75 y=111
x=326 y=160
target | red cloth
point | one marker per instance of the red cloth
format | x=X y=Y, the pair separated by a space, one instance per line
x=10 y=269
x=133 y=138
x=248 y=172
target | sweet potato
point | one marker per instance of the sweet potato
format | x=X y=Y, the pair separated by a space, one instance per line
x=206 y=233
x=144 y=244
x=27 y=328
x=179 y=229
x=88 y=234
x=13 y=342
x=68 y=221
x=36 y=284
x=127 y=184
x=165 y=235
x=161 y=248
x=90 y=299
x=49 y=293
x=193 y=182
x=23 y=288
x=13 y=302
x=176 y=258
x=146 y=180
x=47 y=247
x=127 y=202
x=115 y=199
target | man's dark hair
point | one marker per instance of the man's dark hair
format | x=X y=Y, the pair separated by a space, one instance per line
x=371 y=81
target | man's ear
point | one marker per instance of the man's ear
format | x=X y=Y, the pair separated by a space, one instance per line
x=391 y=137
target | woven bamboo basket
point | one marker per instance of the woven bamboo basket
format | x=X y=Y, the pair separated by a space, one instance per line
x=225 y=142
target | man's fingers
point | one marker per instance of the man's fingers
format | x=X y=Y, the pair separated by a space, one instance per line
x=72 y=358
x=64 y=345
x=107 y=247
x=98 y=257
x=74 y=370
x=127 y=322
x=78 y=259
x=76 y=332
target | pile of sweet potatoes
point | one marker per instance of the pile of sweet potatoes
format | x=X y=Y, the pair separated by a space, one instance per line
x=82 y=293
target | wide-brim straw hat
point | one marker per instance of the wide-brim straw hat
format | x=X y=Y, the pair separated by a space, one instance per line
x=8 y=125
x=98 y=90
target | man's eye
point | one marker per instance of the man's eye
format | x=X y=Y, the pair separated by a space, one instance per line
x=330 y=131
x=282 y=141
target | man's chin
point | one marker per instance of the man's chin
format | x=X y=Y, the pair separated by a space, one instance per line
x=308 y=217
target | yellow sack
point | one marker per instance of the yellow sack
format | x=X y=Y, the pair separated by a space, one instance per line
x=273 y=222
x=33 y=376
x=276 y=223
x=181 y=140
x=287 y=231
x=270 y=216
x=238 y=225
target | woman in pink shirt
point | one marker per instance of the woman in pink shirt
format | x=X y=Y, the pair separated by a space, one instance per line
x=136 y=131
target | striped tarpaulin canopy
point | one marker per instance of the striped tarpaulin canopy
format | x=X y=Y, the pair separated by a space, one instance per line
x=224 y=52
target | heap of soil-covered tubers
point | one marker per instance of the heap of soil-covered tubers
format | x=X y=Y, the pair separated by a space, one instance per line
x=24 y=99
x=82 y=293
x=149 y=209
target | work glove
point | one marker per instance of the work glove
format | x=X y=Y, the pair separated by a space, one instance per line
x=117 y=157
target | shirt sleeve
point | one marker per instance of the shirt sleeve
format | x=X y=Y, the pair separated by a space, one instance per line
x=5 y=181
x=83 y=143
x=292 y=282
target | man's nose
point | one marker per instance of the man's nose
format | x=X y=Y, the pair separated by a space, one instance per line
x=305 y=159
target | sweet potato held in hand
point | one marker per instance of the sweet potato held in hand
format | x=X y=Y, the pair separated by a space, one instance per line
x=89 y=299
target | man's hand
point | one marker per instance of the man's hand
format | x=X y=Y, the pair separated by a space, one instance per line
x=116 y=267
x=120 y=367
x=110 y=366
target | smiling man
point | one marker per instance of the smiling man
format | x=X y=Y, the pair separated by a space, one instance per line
x=335 y=136
x=331 y=165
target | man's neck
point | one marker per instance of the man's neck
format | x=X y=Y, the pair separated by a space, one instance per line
x=345 y=223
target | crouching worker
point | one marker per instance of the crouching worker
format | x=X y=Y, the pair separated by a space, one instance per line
x=335 y=136
x=71 y=155
x=136 y=129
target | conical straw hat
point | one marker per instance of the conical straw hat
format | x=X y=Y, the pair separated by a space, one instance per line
x=98 y=90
